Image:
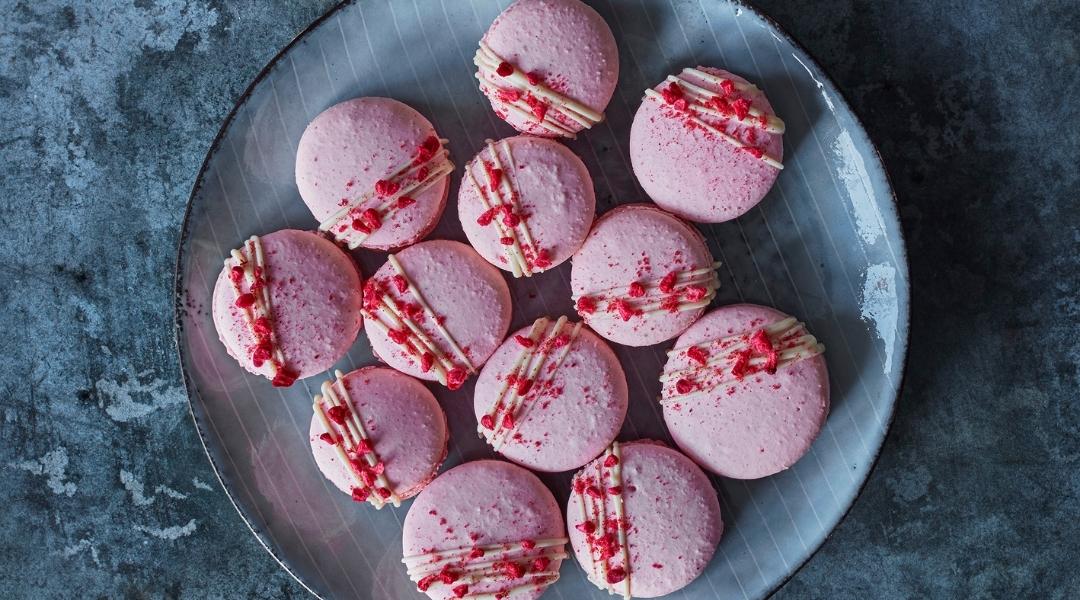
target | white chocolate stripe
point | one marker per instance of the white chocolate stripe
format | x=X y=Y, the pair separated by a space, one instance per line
x=513 y=194
x=513 y=252
x=575 y=110
x=501 y=595
x=437 y=364
x=536 y=335
x=537 y=356
x=803 y=342
x=484 y=571
x=392 y=259
x=786 y=358
x=765 y=158
x=353 y=431
x=773 y=123
x=601 y=568
x=438 y=167
x=524 y=110
x=713 y=79
x=681 y=277
x=518 y=401
x=261 y=306
x=771 y=330
x=620 y=512
x=465 y=550
x=553 y=553
x=403 y=323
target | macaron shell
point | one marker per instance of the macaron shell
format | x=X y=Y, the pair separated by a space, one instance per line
x=767 y=423
x=481 y=503
x=404 y=422
x=691 y=172
x=315 y=295
x=673 y=517
x=570 y=425
x=554 y=190
x=459 y=286
x=564 y=41
x=630 y=243
x=350 y=146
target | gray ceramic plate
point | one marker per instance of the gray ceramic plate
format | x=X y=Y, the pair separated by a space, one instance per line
x=825 y=245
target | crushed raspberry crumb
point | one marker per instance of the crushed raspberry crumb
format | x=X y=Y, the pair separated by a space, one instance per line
x=560 y=340
x=329 y=439
x=404 y=201
x=485 y=217
x=672 y=92
x=541 y=564
x=524 y=341
x=695 y=292
x=400 y=283
x=245 y=300
x=670 y=304
x=533 y=78
x=422 y=173
x=741 y=107
x=772 y=360
x=261 y=354
x=511 y=219
x=236 y=274
x=283 y=378
x=262 y=327
x=728 y=86
x=426 y=150
x=508 y=421
x=487 y=421
x=338 y=414
x=506 y=241
x=505 y=69
x=363 y=447
x=494 y=175
x=370 y=217
x=524 y=385
x=455 y=378
x=683 y=386
x=385 y=187
x=509 y=95
x=425 y=582
x=697 y=354
x=636 y=290
x=760 y=342
x=528 y=544
x=461 y=590
x=543 y=259
x=667 y=284
x=360 y=494
x=426 y=361
x=755 y=152
x=588 y=527
x=594 y=491
x=586 y=305
x=360 y=226
x=398 y=336
x=539 y=107
x=476 y=553
x=383 y=492
x=620 y=306
x=763 y=120
x=372 y=295
x=742 y=364
x=616 y=574
x=611 y=461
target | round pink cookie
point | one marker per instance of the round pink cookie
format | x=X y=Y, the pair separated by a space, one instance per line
x=315 y=305
x=467 y=310
x=405 y=426
x=671 y=520
x=642 y=276
x=564 y=46
x=732 y=416
x=487 y=524
x=553 y=203
x=694 y=172
x=574 y=400
x=344 y=154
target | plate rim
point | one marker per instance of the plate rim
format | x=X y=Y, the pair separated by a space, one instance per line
x=185 y=233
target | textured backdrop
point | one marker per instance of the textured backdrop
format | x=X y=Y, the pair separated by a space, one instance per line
x=106 y=111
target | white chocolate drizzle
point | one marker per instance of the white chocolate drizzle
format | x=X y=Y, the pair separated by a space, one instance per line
x=787 y=337
x=392 y=259
x=348 y=436
x=460 y=567
x=656 y=300
x=530 y=364
x=698 y=102
x=520 y=263
x=487 y=63
x=407 y=178
x=253 y=265
x=595 y=511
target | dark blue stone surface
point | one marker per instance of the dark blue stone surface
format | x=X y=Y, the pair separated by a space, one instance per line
x=106 y=112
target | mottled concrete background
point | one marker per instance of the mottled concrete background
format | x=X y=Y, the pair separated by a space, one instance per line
x=106 y=111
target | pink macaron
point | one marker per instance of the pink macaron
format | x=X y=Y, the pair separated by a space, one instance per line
x=287 y=305
x=374 y=173
x=548 y=67
x=642 y=276
x=552 y=397
x=378 y=435
x=485 y=529
x=745 y=391
x=526 y=204
x=706 y=145
x=436 y=310
x=644 y=520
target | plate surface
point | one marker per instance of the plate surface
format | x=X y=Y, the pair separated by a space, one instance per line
x=825 y=245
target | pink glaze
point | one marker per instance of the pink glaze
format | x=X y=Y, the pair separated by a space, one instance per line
x=405 y=425
x=692 y=172
x=635 y=242
x=554 y=192
x=460 y=287
x=566 y=43
x=483 y=503
x=673 y=520
x=350 y=146
x=568 y=416
x=315 y=296
x=754 y=427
